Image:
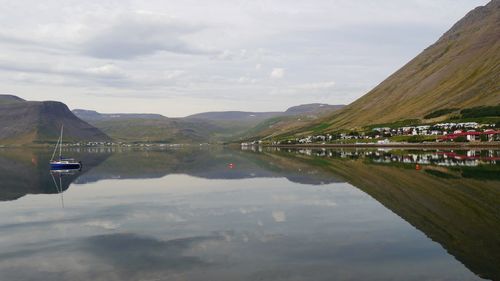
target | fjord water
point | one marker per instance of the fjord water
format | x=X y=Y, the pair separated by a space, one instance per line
x=213 y=213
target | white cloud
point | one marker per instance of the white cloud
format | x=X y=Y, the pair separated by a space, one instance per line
x=106 y=70
x=183 y=54
x=277 y=73
x=317 y=85
x=279 y=216
x=173 y=74
x=140 y=34
x=107 y=225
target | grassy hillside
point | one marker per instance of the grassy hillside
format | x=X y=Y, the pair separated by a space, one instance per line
x=461 y=70
x=25 y=122
x=203 y=127
x=149 y=127
x=241 y=125
x=166 y=130
x=276 y=126
x=294 y=118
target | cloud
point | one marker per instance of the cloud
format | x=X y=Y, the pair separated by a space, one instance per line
x=225 y=55
x=277 y=73
x=279 y=216
x=106 y=70
x=141 y=34
x=194 y=51
x=173 y=74
x=118 y=256
x=107 y=225
x=128 y=251
x=245 y=79
x=241 y=54
x=317 y=85
x=68 y=75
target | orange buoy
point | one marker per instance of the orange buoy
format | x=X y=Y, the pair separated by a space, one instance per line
x=418 y=167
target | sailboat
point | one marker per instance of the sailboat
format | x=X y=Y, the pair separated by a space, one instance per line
x=63 y=163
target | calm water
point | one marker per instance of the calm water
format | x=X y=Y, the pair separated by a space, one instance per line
x=226 y=214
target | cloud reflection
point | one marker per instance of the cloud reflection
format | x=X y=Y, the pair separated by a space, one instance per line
x=120 y=256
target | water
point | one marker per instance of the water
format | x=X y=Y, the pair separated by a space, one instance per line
x=227 y=214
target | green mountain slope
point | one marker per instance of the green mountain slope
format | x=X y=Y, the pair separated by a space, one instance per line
x=293 y=118
x=461 y=70
x=149 y=127
x=165 y=130
x=256 y=117
x=197 y=128
x=25 y=122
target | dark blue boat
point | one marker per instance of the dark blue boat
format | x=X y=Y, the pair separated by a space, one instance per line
x=63 y=163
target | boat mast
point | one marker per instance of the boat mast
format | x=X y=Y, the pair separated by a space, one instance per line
x=55 y=148
x=60 y=145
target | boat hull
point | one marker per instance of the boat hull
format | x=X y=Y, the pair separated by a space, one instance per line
x=65 y=166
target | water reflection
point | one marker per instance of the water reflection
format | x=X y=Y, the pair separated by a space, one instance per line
x=451 y=196
x=26 y=171
x=224 y=214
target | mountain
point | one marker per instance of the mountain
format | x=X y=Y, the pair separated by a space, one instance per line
x=260 y=125
x=313 y=108
x=292 y=119
x=243 y=116
x=9 y=99
x=94 y=115
x=461 y=70
x=24 y=122
x=149 y=127
x=197 y=128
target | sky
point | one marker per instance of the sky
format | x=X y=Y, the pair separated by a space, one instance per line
x=182 y=57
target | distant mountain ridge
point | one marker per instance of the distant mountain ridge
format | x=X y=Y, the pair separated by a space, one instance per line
x=233 y=115
x=129 y=127
x=24 y=122
x=461 y=70
x=312 y=108
x=202 y=127
x=94 y=115
x=7 y=98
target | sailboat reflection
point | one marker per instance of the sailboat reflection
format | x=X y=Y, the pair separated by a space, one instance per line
x=57 y=178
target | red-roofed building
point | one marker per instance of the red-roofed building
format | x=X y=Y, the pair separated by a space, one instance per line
x=472 y=135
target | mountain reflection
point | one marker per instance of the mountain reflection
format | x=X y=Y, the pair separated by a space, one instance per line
x=209 y=163
x=451 y=196
x=26 y=171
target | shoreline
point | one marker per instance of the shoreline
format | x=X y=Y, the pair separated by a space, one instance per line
x=391 y=145
x=310 y=145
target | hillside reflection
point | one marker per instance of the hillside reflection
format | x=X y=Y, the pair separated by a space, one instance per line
x=451 y=196
x=26 y=171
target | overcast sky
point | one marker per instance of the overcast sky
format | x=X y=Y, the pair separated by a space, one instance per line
x=181 y=57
